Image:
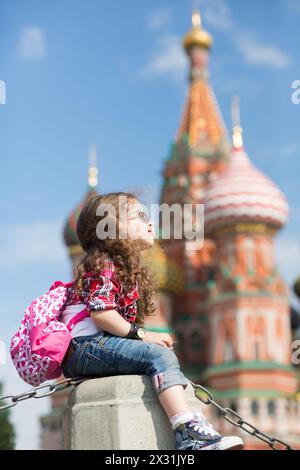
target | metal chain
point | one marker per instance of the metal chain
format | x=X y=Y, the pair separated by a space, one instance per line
x=227 y=413
x=33 y=393
x=234 y=418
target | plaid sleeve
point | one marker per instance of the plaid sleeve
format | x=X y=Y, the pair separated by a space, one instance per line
x=102 y=294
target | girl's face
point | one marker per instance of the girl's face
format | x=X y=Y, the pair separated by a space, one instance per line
x=139 y=226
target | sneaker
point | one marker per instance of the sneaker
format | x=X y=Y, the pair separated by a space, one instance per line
x=198 y=434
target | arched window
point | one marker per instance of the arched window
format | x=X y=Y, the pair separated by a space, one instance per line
x=196 y=340
x=267 y=253
x=233 y=406
x=254 y=407
x=229 y=251
x=249 y=248
x=228 y=351
x=271 y=407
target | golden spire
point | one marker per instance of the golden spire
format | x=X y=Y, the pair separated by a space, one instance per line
x=197 y=36
x=93 y=170
x=196 y=19
x=237 y=133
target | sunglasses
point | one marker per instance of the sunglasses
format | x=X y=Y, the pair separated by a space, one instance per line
x=142 y=216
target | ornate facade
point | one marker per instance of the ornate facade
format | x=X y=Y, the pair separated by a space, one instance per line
x=233 y=317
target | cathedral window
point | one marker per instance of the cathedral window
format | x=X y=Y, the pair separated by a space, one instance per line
x=254 y=407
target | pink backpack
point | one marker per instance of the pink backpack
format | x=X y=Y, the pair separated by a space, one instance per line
x=38 y=348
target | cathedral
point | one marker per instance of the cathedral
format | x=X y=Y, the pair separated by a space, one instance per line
x=225 y=303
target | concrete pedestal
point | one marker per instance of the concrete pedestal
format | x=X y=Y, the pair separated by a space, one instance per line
x=119 y=413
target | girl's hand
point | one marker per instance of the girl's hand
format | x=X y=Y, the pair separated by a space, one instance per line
x=164 y=339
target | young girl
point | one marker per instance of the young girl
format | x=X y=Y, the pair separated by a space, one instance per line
x=119 y=293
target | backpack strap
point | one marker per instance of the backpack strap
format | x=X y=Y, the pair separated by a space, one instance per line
x=69 y=284
x=61 y=283
x=77 y=318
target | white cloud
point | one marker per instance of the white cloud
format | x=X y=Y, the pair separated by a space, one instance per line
x=290 y=150
x=168 y=59
x=159 y=19
x=35 y=242
x=32 y=43
x=217 y=14
x=258 y=53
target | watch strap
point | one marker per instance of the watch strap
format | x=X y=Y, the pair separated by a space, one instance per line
x=133 y=331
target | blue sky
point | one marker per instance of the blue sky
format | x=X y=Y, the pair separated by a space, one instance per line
x=114 y=73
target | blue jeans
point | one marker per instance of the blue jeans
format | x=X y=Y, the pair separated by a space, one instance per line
x=102 y=355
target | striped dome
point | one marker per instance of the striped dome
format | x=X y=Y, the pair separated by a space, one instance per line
x=241 y=193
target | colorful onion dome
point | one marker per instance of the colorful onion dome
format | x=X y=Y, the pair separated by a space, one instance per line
x=241 y=193
x=197 y=36
x=166 y=273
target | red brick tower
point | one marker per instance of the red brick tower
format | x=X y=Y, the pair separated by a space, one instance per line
x=198 y=154
x=249 y=327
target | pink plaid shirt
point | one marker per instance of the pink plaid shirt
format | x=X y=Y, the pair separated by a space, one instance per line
x=104 y=292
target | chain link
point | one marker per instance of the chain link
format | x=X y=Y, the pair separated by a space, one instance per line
x=230 y=415
x=33 y=393
x=236 y=420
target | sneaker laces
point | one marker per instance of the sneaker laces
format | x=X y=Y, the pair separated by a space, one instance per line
x=200 y=423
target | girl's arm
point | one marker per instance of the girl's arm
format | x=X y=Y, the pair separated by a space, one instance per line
x=111 y=321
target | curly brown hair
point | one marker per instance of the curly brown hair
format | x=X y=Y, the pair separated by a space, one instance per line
x=123 y=252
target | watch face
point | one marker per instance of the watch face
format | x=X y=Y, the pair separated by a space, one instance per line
x=141 y=333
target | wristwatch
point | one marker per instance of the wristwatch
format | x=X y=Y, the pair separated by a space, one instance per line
x=136 y=332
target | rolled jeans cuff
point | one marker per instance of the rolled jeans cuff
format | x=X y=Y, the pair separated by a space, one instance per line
x=169 y=378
